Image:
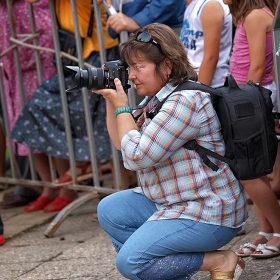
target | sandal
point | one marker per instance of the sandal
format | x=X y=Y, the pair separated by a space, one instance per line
x=264 y=251
x=239 y=269
x=66 y=179
x=40 y=203
x=219 y=275
x=58 y=204
x=248 y=248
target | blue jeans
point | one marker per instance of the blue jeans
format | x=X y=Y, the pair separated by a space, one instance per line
x=162 y=249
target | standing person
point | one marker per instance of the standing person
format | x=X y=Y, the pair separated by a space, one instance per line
x=173 y=225
x=207 y=37
x=135 y=14
x=252 y=59
x=21 y=24
x=41 y=123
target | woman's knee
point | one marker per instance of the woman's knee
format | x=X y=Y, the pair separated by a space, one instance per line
x=110 y=212
x=126 y=265
x=104 y=209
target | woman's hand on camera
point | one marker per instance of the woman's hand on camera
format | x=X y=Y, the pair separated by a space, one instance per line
x=117 y=97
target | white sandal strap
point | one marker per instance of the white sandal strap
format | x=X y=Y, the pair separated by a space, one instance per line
x=267 y=250
x=268 y=236
x=276 y=234
x=248 y=245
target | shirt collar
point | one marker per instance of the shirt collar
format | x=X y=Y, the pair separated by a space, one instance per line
x=167 y=89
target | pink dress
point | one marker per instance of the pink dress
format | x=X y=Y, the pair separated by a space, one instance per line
x=26 y=55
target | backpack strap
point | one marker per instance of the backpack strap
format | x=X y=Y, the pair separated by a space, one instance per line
x=188 y=85
x=204 y=152
x=192 y=144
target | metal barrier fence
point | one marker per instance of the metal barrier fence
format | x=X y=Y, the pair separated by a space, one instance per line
x=21 y=40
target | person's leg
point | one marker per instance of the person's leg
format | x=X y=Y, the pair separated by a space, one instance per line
x=31 y=192
x=267 y=206
x=275 y=175
x=149 y=250
x=48 y=194
x=119 y=207
x=21 y=195
x=83 y=172
x=164 y=249
x=65 y=195
x=62 y=165
x=43 y=169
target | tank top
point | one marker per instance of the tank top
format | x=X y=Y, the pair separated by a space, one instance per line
x=240 y=59
x=193 y=39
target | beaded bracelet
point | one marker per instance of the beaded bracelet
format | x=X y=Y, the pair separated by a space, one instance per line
x=123 y=109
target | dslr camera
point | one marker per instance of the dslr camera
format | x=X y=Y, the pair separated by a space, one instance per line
x=100 y=78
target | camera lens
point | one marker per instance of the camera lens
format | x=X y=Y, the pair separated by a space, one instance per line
x=99 y=78
x=91 y=78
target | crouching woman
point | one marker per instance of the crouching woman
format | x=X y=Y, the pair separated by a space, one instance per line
x=172 y=226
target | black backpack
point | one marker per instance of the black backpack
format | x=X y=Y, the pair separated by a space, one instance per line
x=245 y=114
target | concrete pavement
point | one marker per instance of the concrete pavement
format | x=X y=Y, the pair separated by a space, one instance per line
x=80 y=250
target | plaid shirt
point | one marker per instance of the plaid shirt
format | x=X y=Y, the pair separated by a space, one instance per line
x=175 y=178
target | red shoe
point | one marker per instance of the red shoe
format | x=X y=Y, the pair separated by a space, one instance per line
x=2 y=239
x=66 y=179
x=39 y=204
x=58 y=204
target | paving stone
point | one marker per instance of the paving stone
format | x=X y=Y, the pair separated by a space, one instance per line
x=80 y=250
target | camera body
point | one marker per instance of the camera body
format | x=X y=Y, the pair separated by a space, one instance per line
x=100 y=78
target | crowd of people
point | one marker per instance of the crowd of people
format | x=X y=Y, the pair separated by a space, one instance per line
x=186 y=211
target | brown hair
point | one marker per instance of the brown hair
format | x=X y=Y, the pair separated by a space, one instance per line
x=171 y=49
x=241 y=8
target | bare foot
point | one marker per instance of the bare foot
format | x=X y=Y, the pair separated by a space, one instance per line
x=260 y=239
x=274 y=241
x=228 y=261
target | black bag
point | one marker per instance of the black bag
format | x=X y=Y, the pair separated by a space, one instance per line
x=245 y=113
x=68 y=44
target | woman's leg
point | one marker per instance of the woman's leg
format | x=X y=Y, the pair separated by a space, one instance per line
x=65 y=195
x=47 y=201
x=62 y=166
x=167 y=249
x=162 y=249
x=275 y=175
x=122 y=213
x=267 y=207
x=48 y=194
x=83 y=172
x=43 y=169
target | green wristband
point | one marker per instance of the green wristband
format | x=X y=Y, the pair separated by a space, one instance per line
x=123 y=109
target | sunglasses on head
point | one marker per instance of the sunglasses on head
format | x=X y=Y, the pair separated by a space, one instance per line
x=146 y=38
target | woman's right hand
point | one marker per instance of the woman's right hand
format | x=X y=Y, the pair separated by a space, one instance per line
x=117 y=97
